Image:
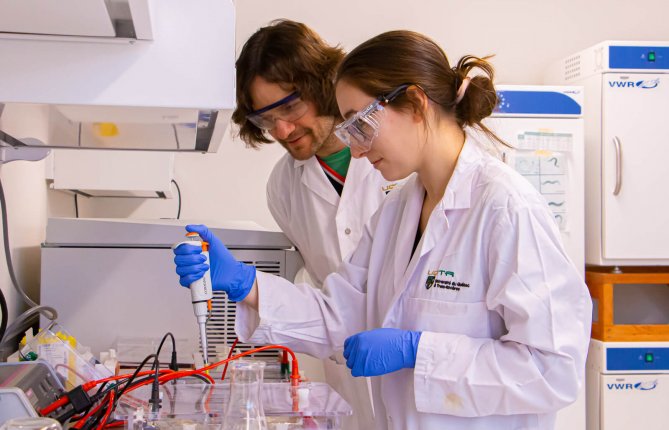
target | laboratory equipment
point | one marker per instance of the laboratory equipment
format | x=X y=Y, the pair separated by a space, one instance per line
x=37 y=379
x=202 y=406
x=72 y=361
x=244 y=410
x=626 y=89
x=31 y=423
x=544 y=126
x=201 y=291
x=148 y=79
x=113 y=282
x=14 y=404
x=145 y=174
x=628 y=385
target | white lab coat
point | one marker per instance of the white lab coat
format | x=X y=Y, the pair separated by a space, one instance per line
x=326 y=228
x=505 y=315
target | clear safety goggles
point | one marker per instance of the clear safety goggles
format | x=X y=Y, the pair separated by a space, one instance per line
x=289 y=109
x=361 y=129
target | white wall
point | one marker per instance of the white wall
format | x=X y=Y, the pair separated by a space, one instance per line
x=525 y=35
x=25 y=195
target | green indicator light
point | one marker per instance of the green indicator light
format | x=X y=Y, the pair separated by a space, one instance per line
x=648 y=357
x=651 y=56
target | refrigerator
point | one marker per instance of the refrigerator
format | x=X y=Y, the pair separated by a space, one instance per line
x=626 y=89
x=628 y=385
x=543 y=126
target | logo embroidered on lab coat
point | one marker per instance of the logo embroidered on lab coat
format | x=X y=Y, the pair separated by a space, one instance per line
x=388 y=188
x=443 y=279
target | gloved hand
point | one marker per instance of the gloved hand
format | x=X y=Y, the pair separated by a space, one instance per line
x=227 y=274
x=380 y=351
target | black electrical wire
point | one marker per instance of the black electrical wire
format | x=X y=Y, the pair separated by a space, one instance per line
x=127 y=384
x=76 y=206
x=155 y=400
x=173 y=361
x=134 y=375
x=179 y=196
x=201 y=378
x=102 y=392
x=160 y=346
x=97 y=417
x=130 y=382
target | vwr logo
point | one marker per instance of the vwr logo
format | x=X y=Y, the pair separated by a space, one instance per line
x=646 y=84
x=643 y=386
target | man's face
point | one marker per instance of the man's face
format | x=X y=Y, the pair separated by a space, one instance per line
x=302 y=137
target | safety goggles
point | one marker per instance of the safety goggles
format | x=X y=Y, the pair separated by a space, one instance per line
x=362 y=128
x=290 y=108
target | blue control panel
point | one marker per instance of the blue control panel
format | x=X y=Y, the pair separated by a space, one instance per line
x=639 y=57
x=536 y=103
x=637 y=358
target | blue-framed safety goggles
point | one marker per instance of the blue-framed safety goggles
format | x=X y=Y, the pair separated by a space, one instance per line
x=289 y=108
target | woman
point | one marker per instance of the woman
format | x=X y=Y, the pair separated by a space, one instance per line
x=459 y=300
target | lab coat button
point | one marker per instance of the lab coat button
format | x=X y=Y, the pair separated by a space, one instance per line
x=347 y=231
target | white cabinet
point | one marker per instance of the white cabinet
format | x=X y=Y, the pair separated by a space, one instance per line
x=626 y=118
x=635 y=171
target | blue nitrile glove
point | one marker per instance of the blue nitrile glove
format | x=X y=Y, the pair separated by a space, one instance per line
x=227 y=274
x=380 y=351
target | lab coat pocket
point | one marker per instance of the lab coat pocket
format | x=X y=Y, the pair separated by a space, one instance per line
x=471 y=319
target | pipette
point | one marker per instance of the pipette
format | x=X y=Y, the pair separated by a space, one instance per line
x=201 y=292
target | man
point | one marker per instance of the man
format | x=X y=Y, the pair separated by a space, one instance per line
x=318 y=195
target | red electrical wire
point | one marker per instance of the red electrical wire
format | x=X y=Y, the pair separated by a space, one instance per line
x=232 y=348
x=81 y=422
x=112 y=394
x=168 y=375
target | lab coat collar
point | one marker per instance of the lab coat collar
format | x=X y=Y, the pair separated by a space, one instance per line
x=457 y=195
x=300 y=163
x=314 y=178
x=459 y=189
x=358 y=170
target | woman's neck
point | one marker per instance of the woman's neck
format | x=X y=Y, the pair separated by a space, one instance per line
x=441 y=151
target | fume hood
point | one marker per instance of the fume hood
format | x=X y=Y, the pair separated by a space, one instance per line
x=120 y=74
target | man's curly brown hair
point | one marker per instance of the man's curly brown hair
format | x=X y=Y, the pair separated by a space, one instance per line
x=286 y=52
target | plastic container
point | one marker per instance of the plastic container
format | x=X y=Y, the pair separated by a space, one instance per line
x=73 y=362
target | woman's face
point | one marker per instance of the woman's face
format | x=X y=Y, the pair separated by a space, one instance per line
x=395 y=150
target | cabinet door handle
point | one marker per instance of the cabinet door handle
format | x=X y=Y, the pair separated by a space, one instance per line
x=619 y=165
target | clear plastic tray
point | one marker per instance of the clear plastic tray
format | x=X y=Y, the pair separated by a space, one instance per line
x=197 y=406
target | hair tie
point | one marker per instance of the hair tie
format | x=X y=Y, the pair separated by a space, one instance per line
x=461 y=91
